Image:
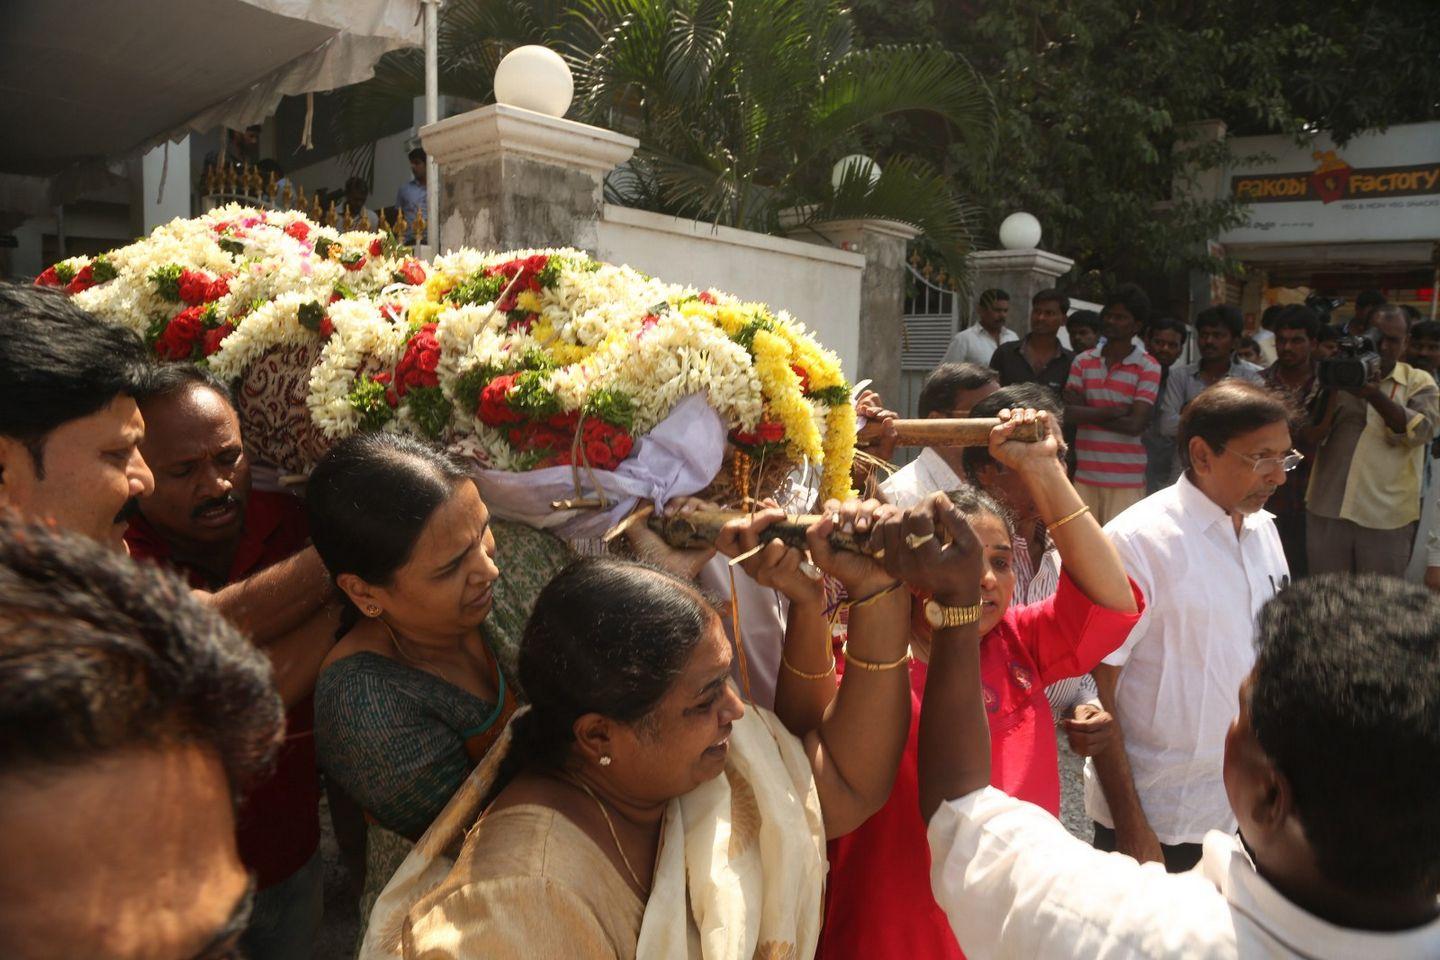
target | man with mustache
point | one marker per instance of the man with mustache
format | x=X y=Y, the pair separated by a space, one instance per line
x=1364 y=494
x=70 y=458
x=204 y=521
x=1207 y=557
x=1218 y=331
x=1292 y=375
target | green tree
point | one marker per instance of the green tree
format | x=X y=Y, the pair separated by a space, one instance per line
x=742 y=107
x=1093 y=99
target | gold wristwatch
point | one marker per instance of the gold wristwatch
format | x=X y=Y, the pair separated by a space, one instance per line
x=939 y=616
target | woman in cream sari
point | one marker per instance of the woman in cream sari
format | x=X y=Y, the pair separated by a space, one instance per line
x=641 y=809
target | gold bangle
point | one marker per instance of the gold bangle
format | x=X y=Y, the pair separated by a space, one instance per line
x=857 y=604
x=785 y=662
x=1050 y=528
x=872 y=666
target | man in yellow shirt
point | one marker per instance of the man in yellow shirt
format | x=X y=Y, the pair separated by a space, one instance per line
x=1364 y=496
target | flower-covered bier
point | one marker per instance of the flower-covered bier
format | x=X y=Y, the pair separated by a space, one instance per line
x=524 y=360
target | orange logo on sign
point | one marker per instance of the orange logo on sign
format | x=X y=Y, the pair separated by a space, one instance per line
x=1331 y=177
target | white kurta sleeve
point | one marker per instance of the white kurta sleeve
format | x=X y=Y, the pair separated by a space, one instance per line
x=1014 y=883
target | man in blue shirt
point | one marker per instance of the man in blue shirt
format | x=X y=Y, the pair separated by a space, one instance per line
x=410 y=198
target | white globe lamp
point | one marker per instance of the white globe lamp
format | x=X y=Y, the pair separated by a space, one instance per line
x=861 y=165
x=535 y=78
x=1020 y=231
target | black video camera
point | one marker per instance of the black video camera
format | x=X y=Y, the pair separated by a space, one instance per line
x=1354 y=364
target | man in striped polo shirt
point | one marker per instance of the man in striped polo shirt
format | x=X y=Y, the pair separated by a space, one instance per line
x=1109 y=396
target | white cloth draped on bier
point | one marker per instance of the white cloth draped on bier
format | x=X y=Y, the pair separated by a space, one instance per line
x=680 y=457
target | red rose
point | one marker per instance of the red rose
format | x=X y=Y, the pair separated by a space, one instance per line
x=300 y=230
x=381 y=378
x=219 y=288
x=327 y=328
x=353 y=265
x=194 y=287
x=706 y=297
x=412 y=273
x=422 y=357
x=599 y=455
x=565 y=421
x=48 y=279
x=804 y=377
x=214 y=337
x=494 y=406
x=771 y=432
x=84 y=279
x=376 y=247
x=177 y=342
x=621 y=444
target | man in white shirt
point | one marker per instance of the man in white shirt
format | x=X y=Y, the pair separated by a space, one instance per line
x=1333 y=770
x=978 y=342
x=1207 y=557
x=950 y=390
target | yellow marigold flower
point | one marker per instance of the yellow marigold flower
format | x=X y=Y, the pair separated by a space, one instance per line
x=438 y=284
x=781 y=389
x=730 y=320
x=423 y=311
x=529 y=301
x=840 y=426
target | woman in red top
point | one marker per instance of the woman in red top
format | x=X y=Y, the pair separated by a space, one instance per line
x=879 y=903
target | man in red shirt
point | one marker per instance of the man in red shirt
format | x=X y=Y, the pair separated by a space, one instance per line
x=205 y=522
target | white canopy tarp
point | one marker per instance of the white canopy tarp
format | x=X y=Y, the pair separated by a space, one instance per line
x=83 y=81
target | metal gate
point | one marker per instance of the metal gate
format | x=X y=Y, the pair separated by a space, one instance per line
x=932 y=318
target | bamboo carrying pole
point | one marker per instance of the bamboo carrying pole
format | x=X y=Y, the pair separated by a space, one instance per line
x=700 y=528
x=958 y=433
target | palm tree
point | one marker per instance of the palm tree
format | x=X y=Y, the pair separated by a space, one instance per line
x=742 y=107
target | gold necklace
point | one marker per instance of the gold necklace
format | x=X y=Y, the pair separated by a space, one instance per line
x=613 y=835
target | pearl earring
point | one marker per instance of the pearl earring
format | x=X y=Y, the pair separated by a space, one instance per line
x=604 y=761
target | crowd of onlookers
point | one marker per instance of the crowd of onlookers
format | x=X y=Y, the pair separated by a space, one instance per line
x=529 y=753
x=1360 y=498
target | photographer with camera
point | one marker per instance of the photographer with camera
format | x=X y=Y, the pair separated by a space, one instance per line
x=1380 y=414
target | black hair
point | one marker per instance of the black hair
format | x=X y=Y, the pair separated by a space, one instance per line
x=417 y=153
x=1389 y=310
x=1346 y=703
x=1425 y=330
x=606 y=636
x=1224 y=316
x=1168 y=323
x=1297 y=316
x=1249 y=343
x=1133 y=299
x=1017 y=396
x=356 y=182
x=1083 y=318
x=168 y=379
x=1369 y=298
x=992 y=296
x=59 y=363
x=1270 y=315
x=970 y=500
x=99 y=653
x=1053 y=296
x=1229 y=409
x=1412 y=315
x=369 y=499
x=937 y=393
